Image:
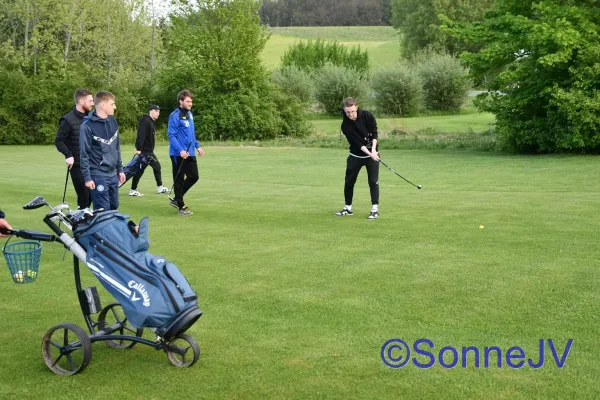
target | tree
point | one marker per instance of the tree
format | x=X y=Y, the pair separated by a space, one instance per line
x=219 y=60
x=420 y=21
x=542 y=59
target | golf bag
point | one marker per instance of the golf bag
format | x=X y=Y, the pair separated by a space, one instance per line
x=152 y=291
x=136 y=166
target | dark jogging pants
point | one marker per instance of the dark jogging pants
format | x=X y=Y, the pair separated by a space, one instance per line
x=187 y=177
x=353 y=166
x=84 y=198
x=154 y=164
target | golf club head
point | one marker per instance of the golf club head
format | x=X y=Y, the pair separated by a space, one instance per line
x=35 y=203
x=419 y=186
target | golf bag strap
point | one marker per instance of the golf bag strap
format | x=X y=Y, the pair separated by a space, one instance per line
x=190 y=298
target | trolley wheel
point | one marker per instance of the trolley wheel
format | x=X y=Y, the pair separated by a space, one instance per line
x=111 y=315
x=66 y=349
x=185 y=344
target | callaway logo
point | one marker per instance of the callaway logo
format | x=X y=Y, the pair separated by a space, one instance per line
x=108 y=142
x=142 y=290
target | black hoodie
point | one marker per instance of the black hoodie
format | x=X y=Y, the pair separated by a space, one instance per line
x=360 y=132
x=145 y=135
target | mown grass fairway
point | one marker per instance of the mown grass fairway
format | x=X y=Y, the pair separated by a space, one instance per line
x=298 y=303
x=381 y=42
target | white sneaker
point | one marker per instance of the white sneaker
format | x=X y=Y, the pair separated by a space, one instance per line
x=134 y=193
x=162 y=189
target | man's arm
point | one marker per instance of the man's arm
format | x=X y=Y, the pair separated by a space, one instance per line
x=119 y=160
x=61 y=138
x=84 y=148
x=172 y=131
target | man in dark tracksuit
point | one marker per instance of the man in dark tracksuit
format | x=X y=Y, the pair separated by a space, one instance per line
x=183 y=142
x=360 y=129
x=3 y=224
x=101 y=163
x=144 y=146
x=67 y=142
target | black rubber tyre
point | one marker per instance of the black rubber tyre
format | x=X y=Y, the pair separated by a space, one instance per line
x=185 y=343
x=66 y=349
x=111 y=315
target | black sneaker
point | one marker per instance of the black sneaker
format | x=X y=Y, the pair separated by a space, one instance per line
x=173 y=203
x=373 y=215
x=343 y=212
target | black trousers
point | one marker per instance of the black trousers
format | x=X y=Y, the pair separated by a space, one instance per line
x=84 y=198
x=186 y=178
x=353 y=166
x=154 y=164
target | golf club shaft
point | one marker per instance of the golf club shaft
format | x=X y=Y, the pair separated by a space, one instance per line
x=66 y=182
x=417 y=186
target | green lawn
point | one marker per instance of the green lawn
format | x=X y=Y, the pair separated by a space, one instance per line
x=381 y=42
x=298 y=303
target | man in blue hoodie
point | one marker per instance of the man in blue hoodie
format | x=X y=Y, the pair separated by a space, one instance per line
x=100 y=159
x=182 y=148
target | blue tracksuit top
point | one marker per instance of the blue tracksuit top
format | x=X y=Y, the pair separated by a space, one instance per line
x=181 y=132
x=100 y=147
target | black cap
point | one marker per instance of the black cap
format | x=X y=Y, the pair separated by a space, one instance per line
x=153 y=107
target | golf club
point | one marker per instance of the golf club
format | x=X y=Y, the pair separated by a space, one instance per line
x=417 y=186
x=66 y=182
x=178 y=171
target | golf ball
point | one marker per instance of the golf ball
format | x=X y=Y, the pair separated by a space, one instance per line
x=481 y=226
x=18 y=277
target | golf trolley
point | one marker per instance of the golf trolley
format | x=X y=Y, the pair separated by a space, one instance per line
x=66 y=347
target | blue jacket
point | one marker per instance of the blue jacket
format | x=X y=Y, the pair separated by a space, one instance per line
x=100 y=147
x=181 y=133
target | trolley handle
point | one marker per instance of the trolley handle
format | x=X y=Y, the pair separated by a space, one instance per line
x=32 y=235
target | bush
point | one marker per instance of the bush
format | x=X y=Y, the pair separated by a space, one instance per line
x=398 y=90
x=334 y=84
x=295 y=82
x=446 y=83
x=312 y=56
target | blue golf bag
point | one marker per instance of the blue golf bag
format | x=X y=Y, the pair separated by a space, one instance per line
x=136 y=166
x=152 y=291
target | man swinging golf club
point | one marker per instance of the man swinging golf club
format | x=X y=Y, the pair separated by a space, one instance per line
x=183 y=142
x=360 y=128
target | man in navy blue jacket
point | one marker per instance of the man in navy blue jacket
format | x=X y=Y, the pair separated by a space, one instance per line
x=101 y=163
x=182 y=148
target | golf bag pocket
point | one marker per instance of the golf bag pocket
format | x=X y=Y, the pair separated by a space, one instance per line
x=152 y=291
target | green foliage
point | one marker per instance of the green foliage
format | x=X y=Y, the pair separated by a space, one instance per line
x=295 y=82
x=334 y=83
x=313 y=55
x=420 y=22
x=50 y=48
x=446 y=82
x=543 y=61
x=398 y=90
x=220 y=63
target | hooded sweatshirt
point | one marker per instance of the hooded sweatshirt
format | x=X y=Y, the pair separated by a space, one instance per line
x=146 y=133
x=100 y=147
x=181 y=132
x=360 y=132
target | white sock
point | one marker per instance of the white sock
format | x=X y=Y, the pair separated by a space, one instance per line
x=348 y=207
x=375 y=208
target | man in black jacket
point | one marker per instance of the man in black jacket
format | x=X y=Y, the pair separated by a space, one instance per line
x=67 y=142
x=3 y=224
x=144 y=146
x=360 y=129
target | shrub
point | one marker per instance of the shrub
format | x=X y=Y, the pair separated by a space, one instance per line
x=295 y=82
x=312 y=56
x=333 y=84
x=398 y=90
x=446 y=83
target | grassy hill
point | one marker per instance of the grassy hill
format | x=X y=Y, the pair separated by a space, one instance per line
x=381 y=42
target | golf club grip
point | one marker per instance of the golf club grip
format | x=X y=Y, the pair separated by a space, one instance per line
x=8 y=231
